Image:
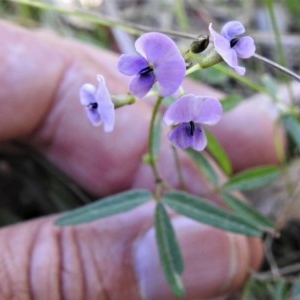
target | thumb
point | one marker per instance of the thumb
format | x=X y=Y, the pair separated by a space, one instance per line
x=116 y=258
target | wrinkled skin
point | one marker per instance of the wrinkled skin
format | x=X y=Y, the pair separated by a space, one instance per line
x=114 y=258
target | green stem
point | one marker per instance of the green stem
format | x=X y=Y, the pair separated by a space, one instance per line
x=151 y=154
x=193 y=69
x=277 y=66
x=122 y=100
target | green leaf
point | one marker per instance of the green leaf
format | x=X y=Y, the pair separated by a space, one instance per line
x=204 y=165
x=252 y=178
x=157 y=134
x=292 y=126
x=104 y=207
x=231 y=102
x=218 y=153
x=245 y=210
x=169 y=252
x=204 y=211
x=295 y=289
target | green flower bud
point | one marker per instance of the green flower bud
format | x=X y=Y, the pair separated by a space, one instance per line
x=200 y=44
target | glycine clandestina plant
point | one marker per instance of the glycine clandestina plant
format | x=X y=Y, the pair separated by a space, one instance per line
x=159 y=67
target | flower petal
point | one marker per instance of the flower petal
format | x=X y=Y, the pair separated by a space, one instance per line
x=169 y=75
x=141 y=84
x=182 y=137
x=131 y=64
x=105 y=108
x=87 y=94
x=222 y=45
x=229 y=55
x=245 y=47
x=205 y=110
x=94 y=116
x=157 y=47
x=232 y=29
x=179 y=111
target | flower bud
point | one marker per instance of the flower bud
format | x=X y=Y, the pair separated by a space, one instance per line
x=200 y=44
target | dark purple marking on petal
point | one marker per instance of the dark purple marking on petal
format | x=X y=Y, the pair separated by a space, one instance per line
x=92 y=106
x=145 y=71
x=233 y=42
x=181 y=136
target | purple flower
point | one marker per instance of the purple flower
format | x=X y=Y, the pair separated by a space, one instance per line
x=230 y=46
x=187 y=114
x=98 y=104
x=159 y=60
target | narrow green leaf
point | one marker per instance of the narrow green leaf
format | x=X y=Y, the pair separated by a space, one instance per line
x=204 y=165
x=218 y=153
x=204 y=211
x=157 y=134
x=104 y=207
x=292 y=126
x=169 y=252
x=230 y=102
x=279 y=289
x=245 y=210
x=252 y=178
x=295 y=289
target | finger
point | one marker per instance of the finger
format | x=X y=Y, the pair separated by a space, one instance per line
x=99 y=260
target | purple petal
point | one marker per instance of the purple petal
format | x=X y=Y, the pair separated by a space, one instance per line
x=94 y=116
x=131 y=64
x=245 y=47
x=231 y=58
x=222 y=44
x=105 y=105
x=141 y=84
x=205 y=110
x=182 y=137
x=157 y=47
x=232 y=29
x=87 y=94
x=169 y=75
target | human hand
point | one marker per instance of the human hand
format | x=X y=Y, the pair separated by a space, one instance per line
x=115 y=257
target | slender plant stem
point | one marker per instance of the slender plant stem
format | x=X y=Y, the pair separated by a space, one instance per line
x=193 y=69
x=277 y=66
x=151 y=154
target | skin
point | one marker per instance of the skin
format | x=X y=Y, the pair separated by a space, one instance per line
x=113 y=258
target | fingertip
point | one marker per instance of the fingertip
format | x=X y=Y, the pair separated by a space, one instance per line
x=249 y=134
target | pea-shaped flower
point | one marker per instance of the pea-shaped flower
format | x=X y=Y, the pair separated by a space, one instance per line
x=158 y=60
x=98 y=104
x=230 y=46
x=187 y=116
